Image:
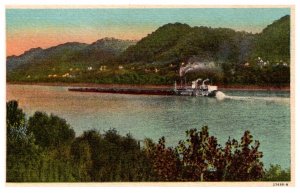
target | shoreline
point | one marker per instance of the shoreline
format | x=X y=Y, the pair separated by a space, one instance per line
x=94 y=85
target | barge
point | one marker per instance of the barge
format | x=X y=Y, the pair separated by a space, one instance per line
x=136 y=91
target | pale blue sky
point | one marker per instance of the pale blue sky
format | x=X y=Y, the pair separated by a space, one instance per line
x=236 y=18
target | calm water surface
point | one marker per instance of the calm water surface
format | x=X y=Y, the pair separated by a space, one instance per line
x=265 y=114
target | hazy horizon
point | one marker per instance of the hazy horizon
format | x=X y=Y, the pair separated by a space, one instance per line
x=32 y=28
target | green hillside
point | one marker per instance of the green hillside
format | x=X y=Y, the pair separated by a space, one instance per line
x=178 y=42
x=273 y=43
x=152 y=47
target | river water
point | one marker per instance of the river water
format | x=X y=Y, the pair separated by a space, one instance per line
x=266 y=114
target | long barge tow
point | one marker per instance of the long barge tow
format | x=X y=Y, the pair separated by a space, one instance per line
x=194 y=90
x=126 y=91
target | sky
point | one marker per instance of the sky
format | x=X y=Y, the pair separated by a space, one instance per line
x=31 y=28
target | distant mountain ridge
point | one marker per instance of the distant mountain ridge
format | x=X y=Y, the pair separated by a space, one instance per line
x=112 y=44
x=16 y=61
x=69 y=52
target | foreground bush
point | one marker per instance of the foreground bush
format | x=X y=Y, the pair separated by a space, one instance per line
x=276 y=173
x=201 y=158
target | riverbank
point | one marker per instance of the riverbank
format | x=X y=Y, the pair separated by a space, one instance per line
x=142 y=86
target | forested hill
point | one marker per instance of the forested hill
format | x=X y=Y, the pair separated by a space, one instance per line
x=274 y=42
x=156 y=58
x=178 y=42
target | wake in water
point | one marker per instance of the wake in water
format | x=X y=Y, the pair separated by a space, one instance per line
x=221 y=96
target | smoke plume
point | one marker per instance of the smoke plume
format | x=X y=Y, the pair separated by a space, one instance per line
x=196 y=67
